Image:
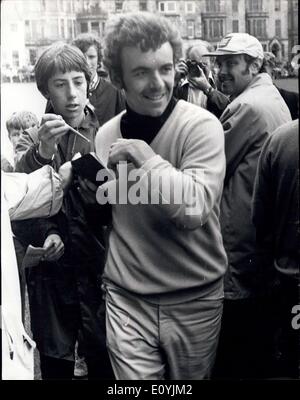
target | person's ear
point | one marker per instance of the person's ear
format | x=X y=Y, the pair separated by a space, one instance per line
x=255 y=66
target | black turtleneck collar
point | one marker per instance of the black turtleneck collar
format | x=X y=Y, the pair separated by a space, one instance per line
x=144 y=127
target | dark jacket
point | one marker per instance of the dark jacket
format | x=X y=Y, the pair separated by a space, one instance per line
x=276 y=201
x=247 y=121
x=292 y=101
x=107 y=100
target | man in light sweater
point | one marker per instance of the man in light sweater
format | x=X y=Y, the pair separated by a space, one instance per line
x=165 y=264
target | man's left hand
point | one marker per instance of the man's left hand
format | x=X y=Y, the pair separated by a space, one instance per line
x=131 y=150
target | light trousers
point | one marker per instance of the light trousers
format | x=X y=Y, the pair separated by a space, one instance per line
x=149 y=341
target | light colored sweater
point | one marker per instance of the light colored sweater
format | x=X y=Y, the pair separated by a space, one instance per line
x=170 y=253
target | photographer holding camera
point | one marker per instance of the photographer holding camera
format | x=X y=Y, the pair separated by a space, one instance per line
x=194 y=81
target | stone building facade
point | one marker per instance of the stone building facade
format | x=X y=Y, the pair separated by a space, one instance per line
x=27 y=27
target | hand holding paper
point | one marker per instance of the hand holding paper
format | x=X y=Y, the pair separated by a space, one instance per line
x=54 y=248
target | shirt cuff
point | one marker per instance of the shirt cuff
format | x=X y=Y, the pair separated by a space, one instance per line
x=39 y=159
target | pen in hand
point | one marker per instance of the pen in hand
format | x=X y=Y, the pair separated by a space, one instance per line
x=78 y=133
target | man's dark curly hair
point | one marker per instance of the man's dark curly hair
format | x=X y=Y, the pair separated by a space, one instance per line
x=143 y=29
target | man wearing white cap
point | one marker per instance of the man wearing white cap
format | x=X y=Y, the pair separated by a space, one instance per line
x=255 y=111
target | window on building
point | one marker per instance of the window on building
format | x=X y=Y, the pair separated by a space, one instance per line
x=15 y=58
x=103 y=28
x=167 y=6
x=277 y=5
x=255 y=5
x=213 y=28
x=119 y=6
x=278 y=27
x=83 y=27
x=95 y=28
x=27 y=30
x=70 y=28
x=34 y=28
x=198 y=29
x=32 y=56
x=190 y=29
x=143 y=6
x=235 y=5
x=53 y=29
x=69 y=6
x=213 y=5
x=190 y=7
x=205 y=28
x=235 y=25
x=74 y=29
x=257 y=27
x=62 y=28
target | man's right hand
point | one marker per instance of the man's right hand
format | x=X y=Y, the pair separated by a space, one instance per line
x=200 y=82
x=181 y=70
x=52 y=128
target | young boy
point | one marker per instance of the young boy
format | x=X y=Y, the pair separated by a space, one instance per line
x=107 y=100
x=15 y=125
x=65 y=295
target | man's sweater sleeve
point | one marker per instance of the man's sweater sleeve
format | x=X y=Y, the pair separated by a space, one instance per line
x=196 y=186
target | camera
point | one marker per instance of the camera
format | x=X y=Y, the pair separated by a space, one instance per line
x=193 y=68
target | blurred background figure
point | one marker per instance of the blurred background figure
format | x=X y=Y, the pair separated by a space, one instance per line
x=106 y=99
x=15 y=125
x=291 y=98
x=195 y=81
x=276 y=218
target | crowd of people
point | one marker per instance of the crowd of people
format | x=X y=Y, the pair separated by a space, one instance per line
x=193 y=277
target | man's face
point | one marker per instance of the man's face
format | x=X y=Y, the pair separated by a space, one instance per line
x=14 y=135
x=148 y=78
x=68 y=95
x=91 y=56
x=233 y=74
